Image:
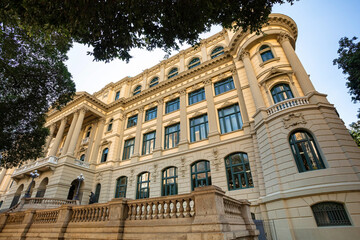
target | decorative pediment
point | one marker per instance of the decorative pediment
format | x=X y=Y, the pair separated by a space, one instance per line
x=293 y=119
x=275 y=72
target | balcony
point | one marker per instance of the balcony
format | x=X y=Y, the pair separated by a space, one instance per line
x=289 y=103
x=81 y=163
x=40 y=165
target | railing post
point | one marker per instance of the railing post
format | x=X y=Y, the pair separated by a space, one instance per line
x=118 y=209
x=26 y=223
x=63 y=220
x=3 y=219
x=246 y=215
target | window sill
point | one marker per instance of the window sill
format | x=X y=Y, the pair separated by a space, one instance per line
x=238 y=130
x=225 y=92
x=199 y=140
x=269 y=61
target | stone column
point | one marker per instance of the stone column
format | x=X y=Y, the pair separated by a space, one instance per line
x=243 y=108
x=137 y=146
x=214 y=135
x=95 y=149
x=91 y=141
x=76 y=132
x=58 y=138
x=183 y=142
x=49 y=138
x=70 y=133
x=296 y=65
x=159 y=127
x=253 y=82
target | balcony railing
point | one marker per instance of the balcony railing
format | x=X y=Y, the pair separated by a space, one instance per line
x=36 y=165
x=289 y=103
x=81 y=163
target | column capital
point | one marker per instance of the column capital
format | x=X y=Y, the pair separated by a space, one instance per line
x=160 y=101
x=141 y=109
x=233 y=70
x=283 y=36
x=182 y=92
x=64 y=119
x=83 y=110
x=102 y=120
x=207 y=82
x=244 y=54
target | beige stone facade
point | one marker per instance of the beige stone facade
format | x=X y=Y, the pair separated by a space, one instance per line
x=249 y=98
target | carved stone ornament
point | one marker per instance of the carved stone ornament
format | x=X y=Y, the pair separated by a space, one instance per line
x=141 y=109
x=98 y=177
x=183 y=168
x=131 y=178
x=293 y=119
x=207 y=82
x=182 y=92
x=244 y=54
x=216 y=158
x=160 y=101
x=154 y=174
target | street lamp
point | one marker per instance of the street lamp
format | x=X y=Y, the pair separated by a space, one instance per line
x=33 y=175
x=80 y=178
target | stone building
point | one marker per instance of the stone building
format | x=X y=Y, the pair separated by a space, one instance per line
x=238 y=112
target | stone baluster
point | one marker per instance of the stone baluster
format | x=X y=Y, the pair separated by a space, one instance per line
x=150 y=210
x=167 y=210
x=156 y=212
x=181 y=208
x=58 y=138
x=187 y=209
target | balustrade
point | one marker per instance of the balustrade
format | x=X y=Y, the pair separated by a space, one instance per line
x=16 y=218
x=46 y=216
x=35 y=165
x=94 y=213
x=81 y=163
x=289 y=103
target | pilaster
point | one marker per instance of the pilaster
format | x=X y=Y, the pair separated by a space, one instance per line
x=214 y=135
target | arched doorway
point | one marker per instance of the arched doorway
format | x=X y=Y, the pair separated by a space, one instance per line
x=73 y=189
x=42 y=188
x=17 y=195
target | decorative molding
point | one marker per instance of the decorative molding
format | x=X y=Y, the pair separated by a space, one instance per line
x=216 y=158
x=160 y=101
x=131 y=178
x=98 y=177
x=154 y=174
x=293 y=119
x=283 y=36
x=183 y=168
x=207 y=82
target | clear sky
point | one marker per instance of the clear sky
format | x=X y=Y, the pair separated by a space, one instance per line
x=320 y=24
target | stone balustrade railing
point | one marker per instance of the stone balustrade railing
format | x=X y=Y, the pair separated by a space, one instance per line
x=178 y=206
x=81 y=163
x=204 y=212
x=289 y=103
x=35 y=165
x=91 y=213
x=52 y=201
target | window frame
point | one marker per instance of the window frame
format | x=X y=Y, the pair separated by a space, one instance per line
x=175 y=138
x=117 y=95
x=196 y=96
x=97 y=193
x=137 y=90
x=193 y=127
x=334 y=214
x=128 y=149
x=139 y=188
x=217 y=51
x=132 y=121
x=169 y=106
x=194 y=174
x=154 y=82
x=312 y=146
x=119 y=186
x=82 y=157
x=267 y=50
x=193 y=63
x=104 y=155
x=224 y=85
x=147 y=149
x=109 y=128
x=243 y=166
x=173 y=72
x=224 y=119
x=171 y=187
x=277 y=94
x=150 y=114
x=88 y=132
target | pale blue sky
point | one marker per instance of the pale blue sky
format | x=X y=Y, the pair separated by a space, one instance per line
x=320 y=24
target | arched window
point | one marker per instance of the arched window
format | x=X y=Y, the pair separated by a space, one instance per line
x=104 y=155
x=17 y=195
x=169 y=181
x=121 y=185
x=200 y=174
x=330 y=214
x=97 y=193
x=281 y=92
x=110 y=125
x=238 y=171
x=143 y=185
x=82 y=157
x=137 y=90
x=42 y=188
x=305 y=152
x=154 y=82
x=194 y=62
x=217 y=52
x=88 y=132
x=266 y=53
x=173 y=73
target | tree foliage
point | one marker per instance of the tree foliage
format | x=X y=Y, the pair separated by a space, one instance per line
x=349 y=62
x=113 y=28
x=33 y=77
x=355 y=132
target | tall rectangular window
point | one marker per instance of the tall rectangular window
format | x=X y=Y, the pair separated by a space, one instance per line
x=172 y=134
x=151 y=113
x=196 y=96
x=132 y=121
x=128 y=148
x=199 y=128
x=172 y=105
x=224 y=85
x=148 y=143
x=117 y=95
x=230 y=118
